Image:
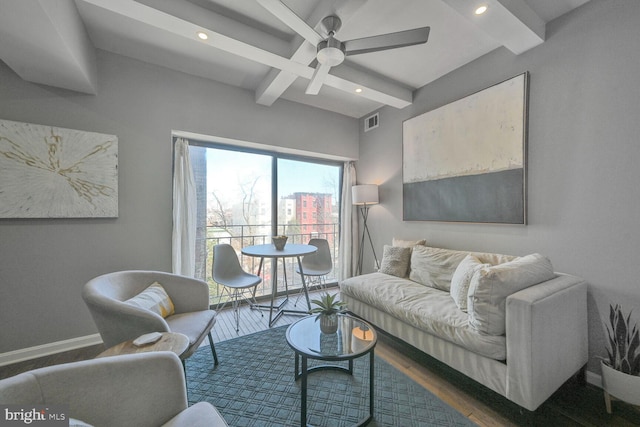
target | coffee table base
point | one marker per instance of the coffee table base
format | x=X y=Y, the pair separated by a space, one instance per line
x=305 y=371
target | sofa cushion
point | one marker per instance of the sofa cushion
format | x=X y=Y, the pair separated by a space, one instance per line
x=192 y=324
x=395 y=260
x=461 y=280
x=154 y=298
x=491 y=286
x=434 y=267
x=428 y=309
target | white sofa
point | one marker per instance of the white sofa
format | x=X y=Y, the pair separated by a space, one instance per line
x=525 y=329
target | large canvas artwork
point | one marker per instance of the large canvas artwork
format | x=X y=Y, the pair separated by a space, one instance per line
x=466 y=161
x=51 y=172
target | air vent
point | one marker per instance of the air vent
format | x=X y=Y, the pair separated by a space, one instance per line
x=371 y=122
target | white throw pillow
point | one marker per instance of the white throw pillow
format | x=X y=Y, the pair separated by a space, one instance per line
x=490 y=287
x=407 y=243
x=395 y=261
x=434 y=267
x=461 y=280
x=154 y=298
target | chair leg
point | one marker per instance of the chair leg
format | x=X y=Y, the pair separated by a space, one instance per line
x=308 y=281
x=213 y=350
x=253 y=303
x=236 y=308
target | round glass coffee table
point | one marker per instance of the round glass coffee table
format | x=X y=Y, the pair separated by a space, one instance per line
x=354 y=338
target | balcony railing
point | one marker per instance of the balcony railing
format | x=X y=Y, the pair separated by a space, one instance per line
x=240 y=236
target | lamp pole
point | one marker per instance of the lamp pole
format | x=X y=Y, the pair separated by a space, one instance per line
x=364 y=195
x=364 y=210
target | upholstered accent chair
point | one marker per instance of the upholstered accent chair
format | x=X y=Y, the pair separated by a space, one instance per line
x=119 y=321
x=142 y=390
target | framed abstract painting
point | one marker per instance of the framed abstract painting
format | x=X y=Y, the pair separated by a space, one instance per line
x=466 y=161
x=52 y=172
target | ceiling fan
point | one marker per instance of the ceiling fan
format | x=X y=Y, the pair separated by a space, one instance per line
x=331 y=51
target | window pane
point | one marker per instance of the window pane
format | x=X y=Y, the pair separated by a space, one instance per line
x=308 y=203
x=234 y=205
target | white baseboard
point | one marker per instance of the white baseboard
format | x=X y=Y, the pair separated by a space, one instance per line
x=48 y=349
x=594 y=379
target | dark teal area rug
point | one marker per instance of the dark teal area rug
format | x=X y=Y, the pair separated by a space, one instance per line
x=254 y=386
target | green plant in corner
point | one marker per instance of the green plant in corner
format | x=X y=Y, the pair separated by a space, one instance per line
x=327 y=305
x=623 y=343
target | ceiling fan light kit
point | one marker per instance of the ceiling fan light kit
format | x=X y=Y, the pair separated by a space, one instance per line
x=330 y=52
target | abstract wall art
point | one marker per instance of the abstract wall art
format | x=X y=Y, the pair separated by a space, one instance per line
x=466 y=161
x=52 y=172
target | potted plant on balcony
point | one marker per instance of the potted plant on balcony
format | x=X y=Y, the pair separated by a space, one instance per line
x=621 y=370
x=328 y=308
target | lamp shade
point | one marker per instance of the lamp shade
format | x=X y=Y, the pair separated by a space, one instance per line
x=365 y=194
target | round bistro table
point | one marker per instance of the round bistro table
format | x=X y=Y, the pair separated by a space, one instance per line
x=354 y=338
x=289 y=251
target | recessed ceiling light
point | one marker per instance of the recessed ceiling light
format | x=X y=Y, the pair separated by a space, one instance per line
x=359 y=90
x=202 y=35
x=481 y=10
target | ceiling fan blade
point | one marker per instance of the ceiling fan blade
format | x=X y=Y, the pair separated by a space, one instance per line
x=318 y=78
x=290 y=19
x=387 y=41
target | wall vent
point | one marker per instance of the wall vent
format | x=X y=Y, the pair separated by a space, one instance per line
x=371 y=122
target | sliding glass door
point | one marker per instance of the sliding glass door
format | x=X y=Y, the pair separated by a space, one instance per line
x=245 y=197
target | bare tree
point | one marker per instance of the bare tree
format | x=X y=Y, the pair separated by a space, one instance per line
x=218 y=216
x=248 y=205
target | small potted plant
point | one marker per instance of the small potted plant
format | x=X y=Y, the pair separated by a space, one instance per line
x=328 y=308
x=621 y=370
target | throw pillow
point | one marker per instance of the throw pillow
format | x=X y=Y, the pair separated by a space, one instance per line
x=434 y=267
x=491 y=286
x=395 y=261
x=462 y=279
x=155 y=299
x=407 y=243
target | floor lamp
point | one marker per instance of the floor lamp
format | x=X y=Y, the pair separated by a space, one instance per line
x=364 y=196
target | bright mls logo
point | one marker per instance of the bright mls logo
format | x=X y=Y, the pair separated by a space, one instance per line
x=34 y=415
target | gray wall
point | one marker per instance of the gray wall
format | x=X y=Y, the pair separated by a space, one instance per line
x=44 y=263
x=584 y=145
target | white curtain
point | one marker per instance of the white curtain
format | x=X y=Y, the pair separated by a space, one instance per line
x=348 y=227
x=184 y=211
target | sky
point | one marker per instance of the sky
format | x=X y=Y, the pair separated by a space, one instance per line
x=227 y=169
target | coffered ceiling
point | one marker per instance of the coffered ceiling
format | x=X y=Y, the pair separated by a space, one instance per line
x=52 y=42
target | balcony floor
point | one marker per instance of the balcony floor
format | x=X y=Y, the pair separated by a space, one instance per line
x=252 y=321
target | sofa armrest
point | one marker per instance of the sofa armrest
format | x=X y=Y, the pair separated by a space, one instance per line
x=546 y=333
x=118 y=321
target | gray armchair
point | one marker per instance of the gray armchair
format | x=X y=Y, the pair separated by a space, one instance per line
x=118 y=321
x=142 y=390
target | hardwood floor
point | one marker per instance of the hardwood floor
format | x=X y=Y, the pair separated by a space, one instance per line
x=575 y=404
